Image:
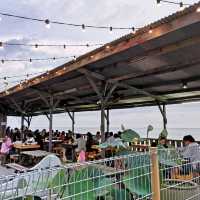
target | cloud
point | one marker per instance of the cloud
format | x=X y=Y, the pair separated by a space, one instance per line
x=123 y=13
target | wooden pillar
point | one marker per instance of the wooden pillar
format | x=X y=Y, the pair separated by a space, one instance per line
x=50 y=124
x=164 y=117
x=3 y=123
x=22 y=127
x=108 y=120
x=102 y=122
x=73 y=122
x=155 y=174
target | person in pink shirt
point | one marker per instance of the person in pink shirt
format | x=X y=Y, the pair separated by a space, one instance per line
x=6 y=146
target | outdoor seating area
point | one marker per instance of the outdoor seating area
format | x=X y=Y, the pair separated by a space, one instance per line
x=155 y=65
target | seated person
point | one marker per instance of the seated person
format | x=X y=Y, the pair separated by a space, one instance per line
x=81 y=143
x=30 y=139
x=97 y=137
x=162 y=143
x=110 y=138
x=90 y=142
x=5 y=149
x=191 y=153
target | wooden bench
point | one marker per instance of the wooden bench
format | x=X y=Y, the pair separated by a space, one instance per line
x=16 y=167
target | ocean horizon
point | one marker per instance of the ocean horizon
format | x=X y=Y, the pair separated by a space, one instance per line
x=173 y=133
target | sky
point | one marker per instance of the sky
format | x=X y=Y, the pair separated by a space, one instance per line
x=120 y=13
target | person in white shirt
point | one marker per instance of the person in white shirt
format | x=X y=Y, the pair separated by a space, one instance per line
x=81 y=142
x=111 y=138
x=191 y=153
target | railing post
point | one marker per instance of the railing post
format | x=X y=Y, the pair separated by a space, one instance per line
x=155 y=174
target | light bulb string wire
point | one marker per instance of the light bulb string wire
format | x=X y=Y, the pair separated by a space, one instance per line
x=21 y=75
x=51 y=45
x=35 y=59
x=175 y=2
x=65 y=23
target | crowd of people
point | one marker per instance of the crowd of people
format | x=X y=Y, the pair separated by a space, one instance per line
x=84 y=142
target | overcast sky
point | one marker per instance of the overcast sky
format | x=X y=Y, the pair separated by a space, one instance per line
x=124 y=13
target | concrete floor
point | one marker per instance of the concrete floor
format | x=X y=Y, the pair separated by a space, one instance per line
x=5 y=171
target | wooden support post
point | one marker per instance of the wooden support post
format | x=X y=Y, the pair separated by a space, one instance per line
x=73 y=122
x=155 y=174
x=22 y=127
x=164 y=115
x=50 y=123
x=102 y=122
x=3 y=123
x=108 y=120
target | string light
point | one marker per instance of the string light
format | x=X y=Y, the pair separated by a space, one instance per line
x=51 y=45
x=184 y=85
x=83 y=27
x=34 y=59
x=1 y=45
x=150 y=31
x=111 y=29
x=48 y=22
x=158 y=2
x=181 y=4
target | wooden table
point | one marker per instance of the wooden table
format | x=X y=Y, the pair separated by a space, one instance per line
x=36 y=153
x=33 y=157
x=21 y=147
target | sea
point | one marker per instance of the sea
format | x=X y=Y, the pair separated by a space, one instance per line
x=173 y=133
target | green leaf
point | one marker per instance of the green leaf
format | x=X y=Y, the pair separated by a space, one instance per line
x=130 y=135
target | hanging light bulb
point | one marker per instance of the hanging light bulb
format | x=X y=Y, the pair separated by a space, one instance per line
x=64 y=46
x=74 y=57
x=47 y=22
x=2 y=61
x=184 y=85
x=181 y=6
x=30 y=60
x=107 y=47
x=7 y=92
x=158 y=2
x=150 y=31
x=133 y=30
x=87 y=45
x=1 y=46
x=198 y=9
x=83 y=27
x=47 y=72
x=111 y=30
x=36 y=46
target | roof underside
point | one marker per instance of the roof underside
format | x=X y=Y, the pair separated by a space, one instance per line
x=140 y=70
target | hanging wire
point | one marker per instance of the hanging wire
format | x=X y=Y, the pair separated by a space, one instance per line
x=173 y=2
x=21 y=75
x=35 y=59
x=48 y=22
x=2 y=44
